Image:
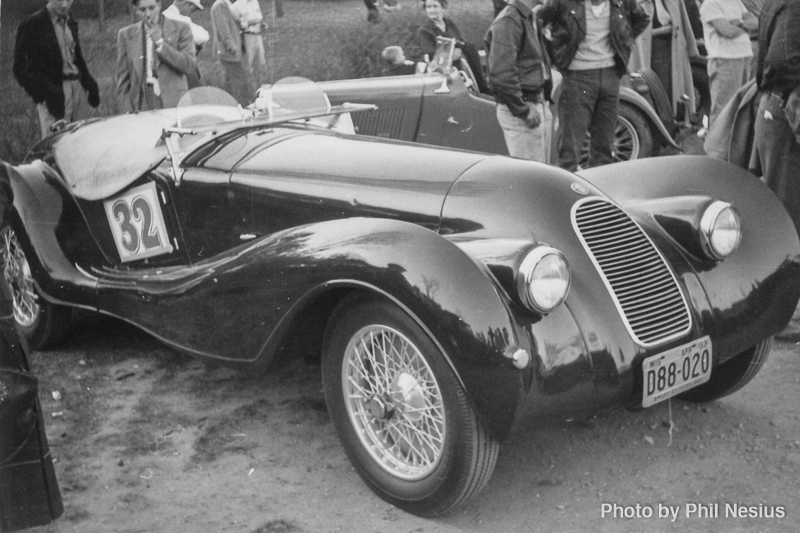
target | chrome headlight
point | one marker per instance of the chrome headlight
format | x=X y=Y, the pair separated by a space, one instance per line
x=720 y=230
x=543 y=279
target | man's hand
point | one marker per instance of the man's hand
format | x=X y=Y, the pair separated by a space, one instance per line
x=749 y=22
x=534 y=118
x=153 y=30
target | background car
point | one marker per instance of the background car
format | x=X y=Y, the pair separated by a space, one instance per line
x=450 y=296
x=442 y=107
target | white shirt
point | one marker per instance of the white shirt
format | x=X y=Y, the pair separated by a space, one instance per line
x=248 y=13
x=717 y=45
x=199 y=33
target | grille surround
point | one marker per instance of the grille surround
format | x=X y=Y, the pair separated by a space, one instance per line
x=641 y=283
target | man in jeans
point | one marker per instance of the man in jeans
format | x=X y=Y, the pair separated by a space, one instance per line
x=591 y=44
x=519 y=73
x=726 y=27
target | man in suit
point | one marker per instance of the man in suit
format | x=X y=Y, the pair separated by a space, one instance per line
x=182 y=10
x=154 y=57
x=228 y=50
x=49 y=65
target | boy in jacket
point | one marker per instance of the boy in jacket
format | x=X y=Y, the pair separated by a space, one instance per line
x=519 y=72
x=590 y=44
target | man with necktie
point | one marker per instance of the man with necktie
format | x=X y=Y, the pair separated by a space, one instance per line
x=154 y=58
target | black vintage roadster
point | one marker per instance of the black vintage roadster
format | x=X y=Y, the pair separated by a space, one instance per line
x=448 y=294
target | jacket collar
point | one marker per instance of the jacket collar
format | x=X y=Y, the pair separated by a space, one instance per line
x=522 y=8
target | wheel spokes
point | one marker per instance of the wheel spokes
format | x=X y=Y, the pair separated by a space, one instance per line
x=17 y=274
x=394 y=402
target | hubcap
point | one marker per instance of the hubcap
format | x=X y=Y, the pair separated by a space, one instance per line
x=394 y=402
x=17 y=274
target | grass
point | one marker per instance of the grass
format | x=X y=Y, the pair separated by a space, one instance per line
x=317 y=39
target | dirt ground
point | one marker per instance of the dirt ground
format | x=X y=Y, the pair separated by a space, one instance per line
x=148 y=440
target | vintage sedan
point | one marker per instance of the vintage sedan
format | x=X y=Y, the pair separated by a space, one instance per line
x=449 y=295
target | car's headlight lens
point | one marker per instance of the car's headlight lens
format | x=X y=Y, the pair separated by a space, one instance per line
x=721 y=230
x=543 y=279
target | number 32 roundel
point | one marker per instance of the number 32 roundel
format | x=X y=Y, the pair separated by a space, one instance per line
x=137 y=223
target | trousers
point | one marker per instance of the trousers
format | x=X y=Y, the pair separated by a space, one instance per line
x=589 y=102
x=779 y=154
x=523 y=142
x=76 y=107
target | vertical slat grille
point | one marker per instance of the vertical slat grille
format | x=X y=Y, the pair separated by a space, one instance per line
x=382 y=122
x=646 y=292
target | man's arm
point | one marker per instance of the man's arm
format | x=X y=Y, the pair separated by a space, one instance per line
x=222 y=16
x=506 y=35
x=35 y=84
x=182 y=58
x=640 y=20
x=749 y=22
x=122 y=76
x=87 y=80
x=730 y=29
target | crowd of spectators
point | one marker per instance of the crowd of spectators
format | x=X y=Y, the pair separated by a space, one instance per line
x=748 y=45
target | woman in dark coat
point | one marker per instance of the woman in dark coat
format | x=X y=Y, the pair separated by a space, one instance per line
x=438 y=25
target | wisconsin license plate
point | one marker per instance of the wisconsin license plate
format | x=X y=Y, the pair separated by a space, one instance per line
x=676 y=370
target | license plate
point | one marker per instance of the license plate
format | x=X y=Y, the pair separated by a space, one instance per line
x=676 y=370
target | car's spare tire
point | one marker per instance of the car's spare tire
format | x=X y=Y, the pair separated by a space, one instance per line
x=401 y=414
x=41 y=323
x=660 y=100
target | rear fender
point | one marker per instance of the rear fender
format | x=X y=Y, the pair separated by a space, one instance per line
x=40 y=203
x=628 y=95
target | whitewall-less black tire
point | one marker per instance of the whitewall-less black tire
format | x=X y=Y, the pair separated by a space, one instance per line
x=40 y=322
x=401 y=414
x=731 y=375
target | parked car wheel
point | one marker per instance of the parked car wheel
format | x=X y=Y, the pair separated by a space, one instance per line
x=732 y=375
x=40 y=322
x=400 y=412
x=633 y=138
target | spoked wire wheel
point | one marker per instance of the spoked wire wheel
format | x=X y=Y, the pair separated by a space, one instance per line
x=394 y=402
x=626 y=142
x=40 y=322
x=17 y=274
x=401 y=413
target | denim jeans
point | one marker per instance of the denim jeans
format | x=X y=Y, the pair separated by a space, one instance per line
x=589 y=101
x=524 y=142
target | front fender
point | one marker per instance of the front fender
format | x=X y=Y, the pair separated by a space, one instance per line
x=748 y=296
x=239 y=306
